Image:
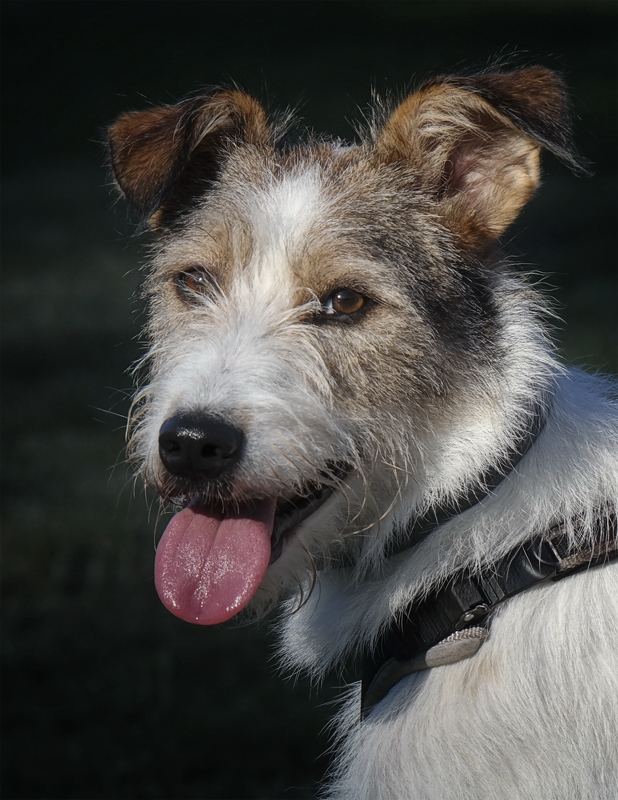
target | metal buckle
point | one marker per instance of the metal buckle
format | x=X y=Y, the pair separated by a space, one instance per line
x=472 y=615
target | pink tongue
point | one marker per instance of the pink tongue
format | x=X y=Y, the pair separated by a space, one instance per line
x=208 y=566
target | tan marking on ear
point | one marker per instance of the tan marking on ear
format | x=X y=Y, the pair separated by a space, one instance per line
x=479 y=165
x=490 y=182
x=158 y=156
x=143 y=151
x=235 y=111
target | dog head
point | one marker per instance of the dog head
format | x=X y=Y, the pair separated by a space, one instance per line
x=331 y=333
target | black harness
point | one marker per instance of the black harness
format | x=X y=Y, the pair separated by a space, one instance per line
x=450 y=624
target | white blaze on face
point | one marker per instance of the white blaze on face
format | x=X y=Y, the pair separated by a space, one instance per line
x=285 y=211
x=211 y=562
x=237 y=360
x=281 y=218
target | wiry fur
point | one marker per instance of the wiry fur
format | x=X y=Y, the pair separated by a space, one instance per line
x=417 y=395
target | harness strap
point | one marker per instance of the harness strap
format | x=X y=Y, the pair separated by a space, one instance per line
x=451 y=623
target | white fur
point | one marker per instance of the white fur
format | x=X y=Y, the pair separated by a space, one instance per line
x=572 y=466
x=532 y=716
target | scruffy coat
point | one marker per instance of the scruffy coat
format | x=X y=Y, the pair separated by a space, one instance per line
x=345 y=309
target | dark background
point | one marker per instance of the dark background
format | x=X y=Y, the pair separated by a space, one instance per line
x=106 y=695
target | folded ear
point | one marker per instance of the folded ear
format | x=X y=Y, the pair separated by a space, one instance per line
x=475 y=142
x=164 y=157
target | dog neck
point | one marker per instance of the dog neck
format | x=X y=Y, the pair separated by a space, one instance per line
x=421 y=527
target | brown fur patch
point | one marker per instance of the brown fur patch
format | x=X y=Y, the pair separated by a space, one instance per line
x=471 y=157
x=162 y=158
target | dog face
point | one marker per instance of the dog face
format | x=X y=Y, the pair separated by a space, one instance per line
x=322 y=317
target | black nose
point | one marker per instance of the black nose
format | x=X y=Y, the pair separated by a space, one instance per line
x=194 y=445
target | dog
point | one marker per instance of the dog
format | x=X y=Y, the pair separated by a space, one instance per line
x=353 y=403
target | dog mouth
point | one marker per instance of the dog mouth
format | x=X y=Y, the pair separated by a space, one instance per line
x=291 y=512
x=212 y=559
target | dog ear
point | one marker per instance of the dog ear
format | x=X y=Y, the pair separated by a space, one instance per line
x=164 y=157
x=475 y=143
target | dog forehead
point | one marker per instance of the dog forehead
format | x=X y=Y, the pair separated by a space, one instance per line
x=303 y=218
x=283 y=211
x=332 y=193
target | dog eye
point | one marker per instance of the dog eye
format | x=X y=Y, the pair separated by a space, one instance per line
x=192 y=282
x=343 y=302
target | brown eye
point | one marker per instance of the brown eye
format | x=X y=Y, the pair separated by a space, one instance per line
x=192 y=282
x=343 y=301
